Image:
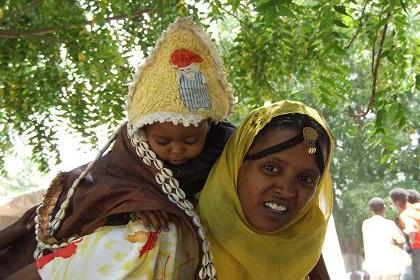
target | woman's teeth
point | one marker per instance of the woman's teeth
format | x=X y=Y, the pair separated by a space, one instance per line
x=276 y=207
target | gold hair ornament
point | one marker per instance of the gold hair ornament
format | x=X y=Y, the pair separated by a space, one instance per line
x=309 y=137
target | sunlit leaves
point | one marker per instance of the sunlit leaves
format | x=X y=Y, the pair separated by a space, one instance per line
x=69 y=61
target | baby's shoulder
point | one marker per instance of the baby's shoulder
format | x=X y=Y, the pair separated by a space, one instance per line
x=221 y=131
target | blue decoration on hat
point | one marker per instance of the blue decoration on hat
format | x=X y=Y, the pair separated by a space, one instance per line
x=193 y=90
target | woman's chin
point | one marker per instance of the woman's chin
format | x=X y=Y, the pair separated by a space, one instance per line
x=272 y=221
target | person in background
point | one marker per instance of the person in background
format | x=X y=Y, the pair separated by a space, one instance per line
x=413 y=196
x=409 y=220
x=384 y=260
x=358 y=275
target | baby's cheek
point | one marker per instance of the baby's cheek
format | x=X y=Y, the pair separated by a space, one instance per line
x=196 y=150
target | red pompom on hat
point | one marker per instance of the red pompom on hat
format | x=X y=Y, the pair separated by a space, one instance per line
x=183 y=57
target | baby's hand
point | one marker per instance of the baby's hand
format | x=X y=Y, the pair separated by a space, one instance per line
x=156 y=218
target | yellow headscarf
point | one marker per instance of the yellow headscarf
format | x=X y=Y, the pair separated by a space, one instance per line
x=241 y=252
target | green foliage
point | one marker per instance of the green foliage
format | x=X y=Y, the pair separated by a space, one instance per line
x=68 y=62
x=356 y=61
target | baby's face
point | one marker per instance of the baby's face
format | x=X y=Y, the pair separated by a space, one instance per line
x=176 y=144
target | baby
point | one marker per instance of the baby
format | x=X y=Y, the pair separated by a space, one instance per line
x=159 y=161
x=190 y=153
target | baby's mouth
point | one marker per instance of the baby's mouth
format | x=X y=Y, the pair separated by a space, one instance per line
x=177 y=161
x=278 y=208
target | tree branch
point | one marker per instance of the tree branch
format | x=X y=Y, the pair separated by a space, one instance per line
x=232 y=15
x=375 y=69
x=359 y=27
x=12 y=34
x=374 y=45
x=220 y=40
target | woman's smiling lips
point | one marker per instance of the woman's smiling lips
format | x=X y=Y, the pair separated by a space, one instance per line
x=276 y=207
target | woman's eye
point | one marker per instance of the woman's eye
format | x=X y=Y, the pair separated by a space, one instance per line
x=307 y=180
x=270 y=168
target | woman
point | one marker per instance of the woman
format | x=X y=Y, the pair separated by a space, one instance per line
x=268 y=199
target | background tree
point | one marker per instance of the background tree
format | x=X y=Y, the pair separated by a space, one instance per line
x=68 y=62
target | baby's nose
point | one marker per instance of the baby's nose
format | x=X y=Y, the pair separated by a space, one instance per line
x=177 y=148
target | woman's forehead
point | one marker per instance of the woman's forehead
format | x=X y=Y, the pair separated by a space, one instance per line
x=272 y=137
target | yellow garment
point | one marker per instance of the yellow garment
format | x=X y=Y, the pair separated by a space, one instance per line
x=241 y=252
x=155 y=94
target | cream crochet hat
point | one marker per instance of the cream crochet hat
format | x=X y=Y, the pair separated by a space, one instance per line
x=182 y=81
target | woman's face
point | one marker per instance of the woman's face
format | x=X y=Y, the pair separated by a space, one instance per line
x=272 y=190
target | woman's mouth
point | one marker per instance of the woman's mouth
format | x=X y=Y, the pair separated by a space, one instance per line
x=278 y=208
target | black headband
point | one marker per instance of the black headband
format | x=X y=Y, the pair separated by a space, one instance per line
x=287 y=145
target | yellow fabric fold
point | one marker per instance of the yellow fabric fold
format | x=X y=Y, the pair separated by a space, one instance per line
x=241 y=252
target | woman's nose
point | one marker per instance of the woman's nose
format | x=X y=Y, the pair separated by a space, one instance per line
x=285 y=189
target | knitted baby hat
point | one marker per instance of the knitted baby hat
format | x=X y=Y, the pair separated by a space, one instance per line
x=182 y=81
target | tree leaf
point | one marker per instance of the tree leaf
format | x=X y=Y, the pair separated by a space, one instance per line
x=266 y=6
x=385 y=159
x=341 y=10
x=340 y=23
